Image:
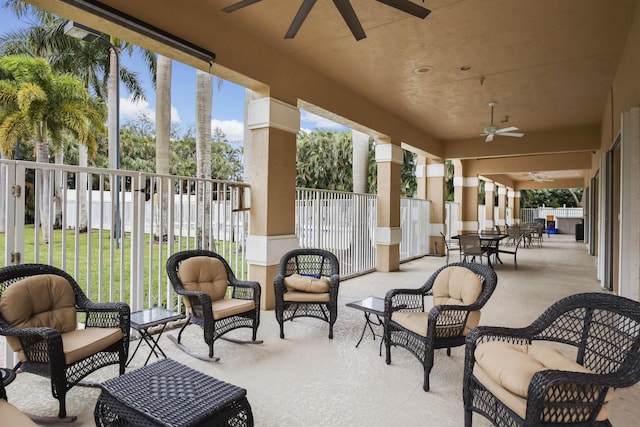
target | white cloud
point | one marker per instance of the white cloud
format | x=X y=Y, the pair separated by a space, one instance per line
x=233 y=129
x=312 y=121
x=130 y=110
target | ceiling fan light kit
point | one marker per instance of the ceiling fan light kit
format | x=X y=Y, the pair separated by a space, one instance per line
x=346 y=10
x=492 y=130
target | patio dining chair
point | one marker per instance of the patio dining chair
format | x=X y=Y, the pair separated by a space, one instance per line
x=215 y=299
x=449 y=247
x=471 y=248
x=40 y=307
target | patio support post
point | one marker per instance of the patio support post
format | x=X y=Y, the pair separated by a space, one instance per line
x=502 y=205
x=469 y=206
x=389 y=158
x=516 y=207
x=274 y=125
x=435 y=192
x=489 y=205
x=510 y=202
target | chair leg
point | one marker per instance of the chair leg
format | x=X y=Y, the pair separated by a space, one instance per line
x=182 y=329
x=448 y=351
x=425 y=385
x=467 y=417
x=211 y=350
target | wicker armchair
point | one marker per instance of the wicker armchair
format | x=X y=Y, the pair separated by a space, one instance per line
x=39 y=308
x=459 y=291
x=561 y=370
x=309 y=268
x=214 y=298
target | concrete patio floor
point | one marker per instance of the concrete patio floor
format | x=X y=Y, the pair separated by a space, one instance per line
x=308 y=380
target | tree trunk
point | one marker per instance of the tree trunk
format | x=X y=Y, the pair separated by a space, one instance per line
x=3 y=196
x=204 y=100
x=83 y=160
x=163 y=132
x=113 y=98
x=59 y=188
x=42 y=156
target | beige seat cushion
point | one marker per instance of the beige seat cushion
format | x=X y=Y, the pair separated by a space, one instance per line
x=453 y=286
x=204 y=274
x=11 y=416
x=298 y=296
x=45 y=300
x=231 y=306
x=506 y=370
x=301 y=283
x=83 y=343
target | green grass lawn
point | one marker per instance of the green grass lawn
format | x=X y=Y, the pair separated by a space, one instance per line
x=102 y=279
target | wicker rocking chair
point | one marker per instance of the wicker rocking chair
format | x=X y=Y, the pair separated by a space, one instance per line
x=215 y=299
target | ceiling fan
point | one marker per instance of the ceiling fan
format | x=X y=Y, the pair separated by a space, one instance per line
x=492 y=130
x=345 y=9
x=538 y=177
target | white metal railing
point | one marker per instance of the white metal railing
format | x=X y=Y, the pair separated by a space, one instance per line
x=414 y=222
x=340 y=222
x=117 y=251
x=345 y=224
x=530 y=214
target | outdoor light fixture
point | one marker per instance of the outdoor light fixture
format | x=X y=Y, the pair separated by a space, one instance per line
x=82 y=32
x=101 y=10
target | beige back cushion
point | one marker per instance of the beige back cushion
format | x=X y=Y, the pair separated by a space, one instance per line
x=456 y=286
x=204 y=274
x=45 y=300
x=302 y=283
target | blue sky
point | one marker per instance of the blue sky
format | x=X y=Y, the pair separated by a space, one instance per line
x=228 y=100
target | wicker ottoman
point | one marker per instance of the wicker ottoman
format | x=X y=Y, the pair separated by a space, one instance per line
x=167 y=393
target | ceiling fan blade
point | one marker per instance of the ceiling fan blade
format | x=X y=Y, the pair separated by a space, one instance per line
x=239 y=5
x=408 y=7
x=509 y=129
x=304 y=10
x=516 y=134
x=350 y=17
x=489 y=138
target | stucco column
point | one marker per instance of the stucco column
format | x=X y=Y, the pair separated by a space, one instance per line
x=489 y=205
x=274 y=126
x=516 y=207
x=469 y=206
x=388 y=233
x=510 y=202
x=502 y=205
x=436 y=194
x=360 y=161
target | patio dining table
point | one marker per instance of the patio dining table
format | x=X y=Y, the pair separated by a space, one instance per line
x=490 y=242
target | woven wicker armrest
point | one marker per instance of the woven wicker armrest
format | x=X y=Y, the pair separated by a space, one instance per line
x=107 y=315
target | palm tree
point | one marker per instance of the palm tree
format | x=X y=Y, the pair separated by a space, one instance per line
x=204 y=99
x=93 y=63
x=163 y=130
x=37 y=103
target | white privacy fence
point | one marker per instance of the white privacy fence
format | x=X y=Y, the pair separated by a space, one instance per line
x=530 y=214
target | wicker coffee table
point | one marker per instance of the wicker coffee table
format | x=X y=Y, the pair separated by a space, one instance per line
x=167 y=393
